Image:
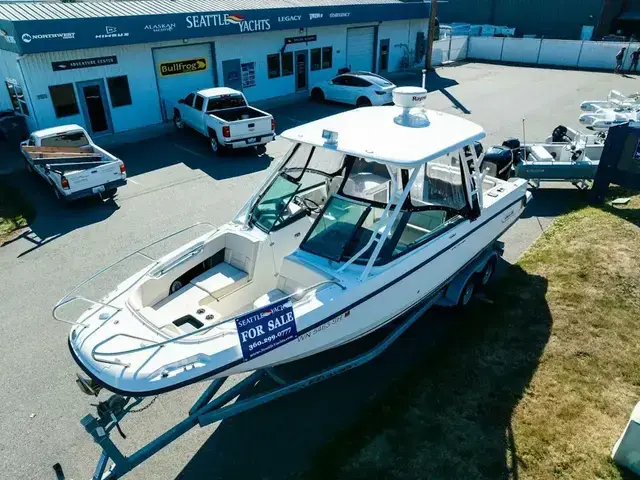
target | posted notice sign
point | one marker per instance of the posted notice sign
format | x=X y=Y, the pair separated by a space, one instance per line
x=263 y=330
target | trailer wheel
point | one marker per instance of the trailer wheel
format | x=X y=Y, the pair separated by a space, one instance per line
x=175 y=286
x=488 y=272
x=467 y=292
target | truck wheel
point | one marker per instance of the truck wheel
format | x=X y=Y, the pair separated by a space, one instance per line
x=467 y=293
x=177 y=120
x=216 y=148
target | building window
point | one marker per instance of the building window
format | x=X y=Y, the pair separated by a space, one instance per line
x=119 y=91
x=287 y=64
x=17 y=98
x=316 y=63
x=64 y=100
x=327 y=57
x=273 y=65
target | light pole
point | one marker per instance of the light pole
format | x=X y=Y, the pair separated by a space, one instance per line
x=432 y=27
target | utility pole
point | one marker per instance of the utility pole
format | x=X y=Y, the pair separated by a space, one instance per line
x=432 y=26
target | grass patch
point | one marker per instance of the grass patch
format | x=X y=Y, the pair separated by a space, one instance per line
x=15 y=211
x=537 y=385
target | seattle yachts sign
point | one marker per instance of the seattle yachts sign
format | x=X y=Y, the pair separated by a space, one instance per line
x=223 y=20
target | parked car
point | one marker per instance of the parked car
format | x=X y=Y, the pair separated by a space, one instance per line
x=362 y=89
x=224 y=116
x=75 y=167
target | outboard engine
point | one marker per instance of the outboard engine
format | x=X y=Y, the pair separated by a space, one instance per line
x=559 y=134
x=498 y=161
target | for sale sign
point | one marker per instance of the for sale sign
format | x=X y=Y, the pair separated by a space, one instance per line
x=260 y=331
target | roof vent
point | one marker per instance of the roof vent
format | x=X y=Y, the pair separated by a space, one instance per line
x=411 y=99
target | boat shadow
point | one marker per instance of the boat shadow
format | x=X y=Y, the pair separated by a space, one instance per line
x=470 y=368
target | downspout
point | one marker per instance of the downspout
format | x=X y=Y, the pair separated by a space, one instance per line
x=27 y=91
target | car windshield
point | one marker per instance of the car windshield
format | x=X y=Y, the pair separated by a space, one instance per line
x=67 y=139
x=225 y=101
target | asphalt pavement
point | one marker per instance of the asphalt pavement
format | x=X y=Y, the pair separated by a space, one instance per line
x=174 y=181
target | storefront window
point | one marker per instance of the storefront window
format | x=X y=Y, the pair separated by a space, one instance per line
x=327 y=57
x=17 y=98
x=64 y=100
x=119 y=91
x=287 y=64
x=316 y=63
x=273 y=65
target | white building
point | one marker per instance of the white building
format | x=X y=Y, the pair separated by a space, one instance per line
x=113 y=67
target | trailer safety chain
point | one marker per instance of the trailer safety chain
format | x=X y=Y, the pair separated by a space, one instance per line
x=142 y=409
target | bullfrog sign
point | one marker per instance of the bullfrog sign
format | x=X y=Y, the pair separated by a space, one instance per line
x=260 y=331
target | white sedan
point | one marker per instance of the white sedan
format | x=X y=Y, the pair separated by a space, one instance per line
x=362 y=89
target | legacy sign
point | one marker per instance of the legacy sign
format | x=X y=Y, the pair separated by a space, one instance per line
x=84 y=63
x=179 y=67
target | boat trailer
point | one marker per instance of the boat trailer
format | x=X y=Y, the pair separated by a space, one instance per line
x=113 y=464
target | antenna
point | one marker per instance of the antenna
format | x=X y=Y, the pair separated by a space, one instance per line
x=524 y=140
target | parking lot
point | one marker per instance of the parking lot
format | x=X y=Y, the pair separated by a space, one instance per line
x=175 y=181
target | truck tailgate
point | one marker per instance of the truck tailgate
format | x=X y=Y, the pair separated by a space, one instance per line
x=94 y=177
x=252 y=127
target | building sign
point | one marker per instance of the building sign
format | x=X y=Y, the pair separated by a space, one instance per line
x=315 y=16
x=340 y=15
x=84 y=63
x=225 y=19
x=28 y=38
x=263 y=330
x=289 y=18
x=160 y=27
x=179 y=67
x=112 y=32
x=248 y=74
x=302 y=39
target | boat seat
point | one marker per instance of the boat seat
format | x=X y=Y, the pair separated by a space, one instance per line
x=188 y=301
x=269 y=298
x=541 y=154
x=221 y=280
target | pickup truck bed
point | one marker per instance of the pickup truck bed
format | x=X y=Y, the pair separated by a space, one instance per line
x=240 y=113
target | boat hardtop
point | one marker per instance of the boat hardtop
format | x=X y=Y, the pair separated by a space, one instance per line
x=370 y=213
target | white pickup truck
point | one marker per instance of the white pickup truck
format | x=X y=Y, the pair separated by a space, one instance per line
x=75 y=167
x=223 y=115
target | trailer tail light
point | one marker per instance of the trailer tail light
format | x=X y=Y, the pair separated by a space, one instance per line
x=123 y=169
x=226 y=131
x=64 y=182
x=273 y=125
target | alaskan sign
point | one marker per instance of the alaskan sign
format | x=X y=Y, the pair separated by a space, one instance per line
x=179 y=67
x=302 y=39
x=263 y=330
x=33 y=36
x=84 y=63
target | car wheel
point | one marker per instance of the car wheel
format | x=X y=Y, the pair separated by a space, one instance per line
x=317 y=95
x=467 y=293
x=216 y=148
x=177 y=120
x=363 y=102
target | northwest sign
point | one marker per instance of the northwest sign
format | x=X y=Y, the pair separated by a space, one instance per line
x=260 y=331
x=84 y=63
x=302 y=39
x=224 y=19
x=28 y=38
x=178 y=67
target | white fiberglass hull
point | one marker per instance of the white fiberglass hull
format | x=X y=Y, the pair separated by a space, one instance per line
x=331 y=318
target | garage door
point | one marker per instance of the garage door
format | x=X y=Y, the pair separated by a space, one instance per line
x=181 y=70
x=360 y=47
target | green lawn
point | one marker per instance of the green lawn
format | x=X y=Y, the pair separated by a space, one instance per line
x=15 y=211
x=538 y=384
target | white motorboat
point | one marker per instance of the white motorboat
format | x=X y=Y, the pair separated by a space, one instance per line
x=617 y=109
x=370 y=213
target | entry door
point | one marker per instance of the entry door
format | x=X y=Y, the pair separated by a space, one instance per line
x=95 y=107
x=301 y=70
x=232 y=74
x=383 y=64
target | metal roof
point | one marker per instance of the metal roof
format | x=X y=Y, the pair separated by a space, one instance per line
x=57 y=11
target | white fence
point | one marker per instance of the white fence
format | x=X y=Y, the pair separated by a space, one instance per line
x=564 y=53
x=450 y=49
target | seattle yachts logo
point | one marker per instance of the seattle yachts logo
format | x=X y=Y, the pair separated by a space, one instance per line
x=222 y=20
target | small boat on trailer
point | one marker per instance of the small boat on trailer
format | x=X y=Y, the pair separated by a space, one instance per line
x=617 y=109
x=370 y=213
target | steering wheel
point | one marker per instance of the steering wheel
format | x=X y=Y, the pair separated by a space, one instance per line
x=308 y=204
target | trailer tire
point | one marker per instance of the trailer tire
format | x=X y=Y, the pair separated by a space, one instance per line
x=467 y=292
x=488 y=272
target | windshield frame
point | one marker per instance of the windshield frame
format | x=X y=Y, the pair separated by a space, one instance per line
x=254 y=222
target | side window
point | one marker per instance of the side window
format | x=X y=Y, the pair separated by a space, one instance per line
x=422 y=226
x=64 y=100
x=273 y=65
x=327 y=57
x=189 y=99
x=199 y=103
x=119 y=91
x=287 y=64
x=339 y=81
x=360 y=82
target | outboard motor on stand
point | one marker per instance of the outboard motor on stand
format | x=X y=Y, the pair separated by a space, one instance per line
x=559 y=135
x=498 y=161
